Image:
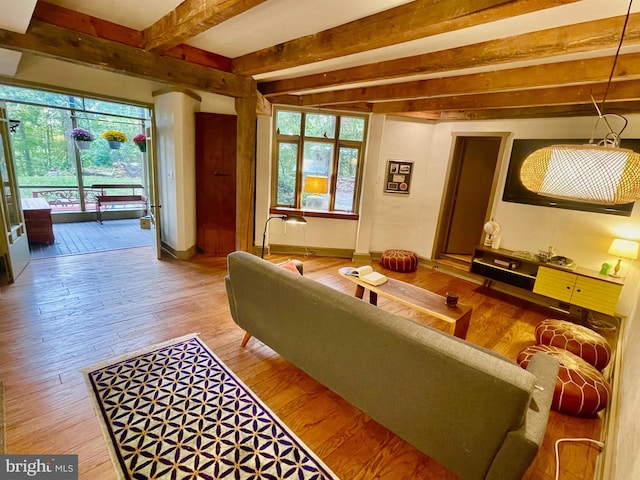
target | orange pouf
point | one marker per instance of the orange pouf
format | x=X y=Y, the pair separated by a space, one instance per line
x=580 y=390
x=581 y=341
x=399 y=260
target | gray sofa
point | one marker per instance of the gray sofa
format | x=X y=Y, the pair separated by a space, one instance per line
x=476 y=413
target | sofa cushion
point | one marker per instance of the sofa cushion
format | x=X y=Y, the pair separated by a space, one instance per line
x=291 y=266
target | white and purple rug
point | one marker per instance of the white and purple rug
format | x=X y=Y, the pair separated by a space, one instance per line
x=176 y=411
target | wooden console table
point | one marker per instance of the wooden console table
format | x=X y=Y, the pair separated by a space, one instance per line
x=37 y=219
x=417 y=298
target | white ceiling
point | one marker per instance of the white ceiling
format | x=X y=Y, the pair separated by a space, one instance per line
x=277 y=21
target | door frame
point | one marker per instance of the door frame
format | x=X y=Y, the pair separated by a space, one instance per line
x=451 y=180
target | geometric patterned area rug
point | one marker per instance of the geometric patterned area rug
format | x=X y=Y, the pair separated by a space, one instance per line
x=176 y=411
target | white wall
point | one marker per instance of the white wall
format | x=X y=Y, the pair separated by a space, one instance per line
x=175 y=143
x=46 y=71
x=626 y=442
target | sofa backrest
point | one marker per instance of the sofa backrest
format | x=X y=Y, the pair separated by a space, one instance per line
x=449 y=399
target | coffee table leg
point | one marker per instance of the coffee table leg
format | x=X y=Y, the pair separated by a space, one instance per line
x=462 y=325
x=359 y=291
x=373 y=298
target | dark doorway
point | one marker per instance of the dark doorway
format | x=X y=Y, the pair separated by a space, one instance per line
x=469 y=192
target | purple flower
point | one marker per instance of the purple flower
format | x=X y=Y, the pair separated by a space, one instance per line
x=82 y=135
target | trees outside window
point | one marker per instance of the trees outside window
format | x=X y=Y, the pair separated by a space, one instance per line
x=318 y=160
x=49 y=162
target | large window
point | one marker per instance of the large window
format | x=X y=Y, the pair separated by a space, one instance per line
x=318 y=160
x=50 y=164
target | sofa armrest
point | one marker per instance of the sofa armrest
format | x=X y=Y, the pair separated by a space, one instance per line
x=232 y=302
x=521 y=446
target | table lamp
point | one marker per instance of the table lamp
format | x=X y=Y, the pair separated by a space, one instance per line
x=622 y=249
x=284 y=218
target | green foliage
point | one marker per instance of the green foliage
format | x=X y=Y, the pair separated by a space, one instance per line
x=352 y=128
x=287 y=168
x=288 y=123
x=321 y=126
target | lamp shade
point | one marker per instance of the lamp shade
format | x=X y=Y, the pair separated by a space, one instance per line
x=316 y=184
x=585 y=173
x=624 y=248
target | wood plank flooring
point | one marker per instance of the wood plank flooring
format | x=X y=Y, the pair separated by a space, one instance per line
x=67 y=313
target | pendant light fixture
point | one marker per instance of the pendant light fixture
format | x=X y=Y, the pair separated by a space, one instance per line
x=600 y=173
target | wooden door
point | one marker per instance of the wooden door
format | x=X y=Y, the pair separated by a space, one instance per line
x=216 y=183
x=474 y=175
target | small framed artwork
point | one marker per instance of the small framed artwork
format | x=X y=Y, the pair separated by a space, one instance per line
x=398 y=176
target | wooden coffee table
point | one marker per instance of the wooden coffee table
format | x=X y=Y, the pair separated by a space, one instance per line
x=417 y=298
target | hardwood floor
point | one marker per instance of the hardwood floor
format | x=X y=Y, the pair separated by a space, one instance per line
x=67 y=313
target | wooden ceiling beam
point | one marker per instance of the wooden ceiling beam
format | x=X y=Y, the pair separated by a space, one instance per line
x=83 y=23
x=568 y=95
x=583 y=110
x=72 y=46
x=561 y=73
x=582 y=37
x=414 y=20
x=96 y=27
x=191 y=18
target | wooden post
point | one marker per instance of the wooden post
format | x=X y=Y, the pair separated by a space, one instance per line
x=246 y=171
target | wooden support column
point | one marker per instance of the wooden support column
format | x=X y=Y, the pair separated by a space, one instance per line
x=246 y=171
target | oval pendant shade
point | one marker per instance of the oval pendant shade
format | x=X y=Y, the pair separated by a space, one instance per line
x=585 y=173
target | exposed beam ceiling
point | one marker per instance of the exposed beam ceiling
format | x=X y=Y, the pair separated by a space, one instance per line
x=191 y=18
x=434 y=59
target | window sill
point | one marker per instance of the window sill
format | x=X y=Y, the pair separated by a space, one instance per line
x=313 y=213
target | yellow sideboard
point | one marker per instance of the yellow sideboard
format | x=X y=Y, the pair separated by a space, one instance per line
x=583 y=288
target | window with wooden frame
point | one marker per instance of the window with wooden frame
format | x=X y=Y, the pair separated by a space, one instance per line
x=318 y=159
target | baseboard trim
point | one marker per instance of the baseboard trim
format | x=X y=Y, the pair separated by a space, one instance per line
x=179 y=254
x=307 y=251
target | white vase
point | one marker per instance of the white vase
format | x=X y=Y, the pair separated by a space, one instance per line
x=83 y=144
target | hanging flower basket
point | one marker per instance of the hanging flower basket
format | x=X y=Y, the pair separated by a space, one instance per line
x=82 y=138
x=141 y=141
x=83 y=144
x=115 y=138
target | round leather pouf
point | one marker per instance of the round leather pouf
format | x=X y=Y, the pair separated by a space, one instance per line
x=582 y=341
x=580 y=389
x=399 y=260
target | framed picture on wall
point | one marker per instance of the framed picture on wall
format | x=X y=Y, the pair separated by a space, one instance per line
x=398 y=176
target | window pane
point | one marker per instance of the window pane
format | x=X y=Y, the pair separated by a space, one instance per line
x=19 y=94
x=347 y=172
x=116 y=108
x=288 y=123
x=43 y=156
x=317 y=157
x=320 y=126
x=351 y=128
x=316 y=175
x=287 y=168
x=47 y=159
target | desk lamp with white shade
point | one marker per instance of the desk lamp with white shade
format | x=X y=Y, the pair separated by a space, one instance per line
x=622 y=248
